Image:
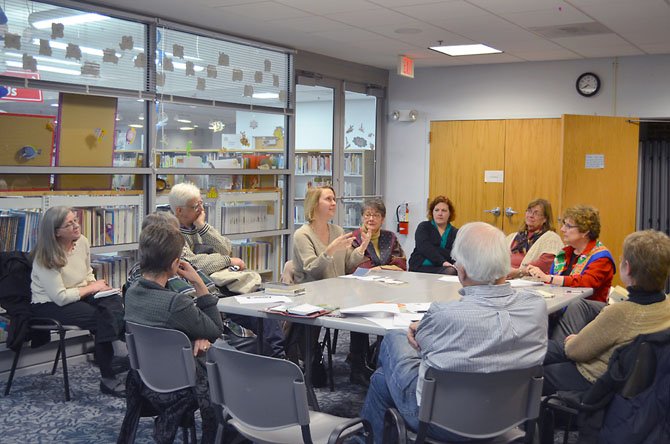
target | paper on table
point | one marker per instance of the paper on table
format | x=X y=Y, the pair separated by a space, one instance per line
x=373 y=310
x=524 y=283
x=545 y=294
x=386 y=323
x=417 y=307
x=104 y=294
x=449 y=278
x=404 y=319
x=265 y=299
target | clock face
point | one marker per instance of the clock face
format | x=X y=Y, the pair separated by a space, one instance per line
x=588 y=84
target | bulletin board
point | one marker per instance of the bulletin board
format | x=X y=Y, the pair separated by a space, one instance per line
x=27 y=140
x=86 y=127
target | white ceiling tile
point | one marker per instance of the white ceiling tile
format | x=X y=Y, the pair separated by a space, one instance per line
x=348 y=35
x=428 y=37
x=553 y=54
x=606 y=45
x=263 y=11
x=375 y=17
x=550 y=17
x=313 y=23
x=443 y=13
x=658 y=48
x=321 y=7
x=514 y=6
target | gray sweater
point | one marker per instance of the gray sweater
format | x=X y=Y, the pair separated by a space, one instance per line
x=148 y=303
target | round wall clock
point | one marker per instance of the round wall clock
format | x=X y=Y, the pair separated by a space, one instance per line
x=588 y=84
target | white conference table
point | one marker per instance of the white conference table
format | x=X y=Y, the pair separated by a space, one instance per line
x=343 y=292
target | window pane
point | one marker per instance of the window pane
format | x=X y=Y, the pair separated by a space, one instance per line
x=206 y=136
x=195 y=66
x=89 y=49
x=360 y=132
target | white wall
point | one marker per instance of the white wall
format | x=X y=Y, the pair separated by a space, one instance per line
x=631 y=86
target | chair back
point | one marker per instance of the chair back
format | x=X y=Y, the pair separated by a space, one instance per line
x=287 y=274
x=480 y=405
x=259 y=391
x=163 y=357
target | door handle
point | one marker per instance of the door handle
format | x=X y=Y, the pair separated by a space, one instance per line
x=509 y=212
x=495 y=211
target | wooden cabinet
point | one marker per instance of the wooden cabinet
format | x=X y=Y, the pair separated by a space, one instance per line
x=539 y=158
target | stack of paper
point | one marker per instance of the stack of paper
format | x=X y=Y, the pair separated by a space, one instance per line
x=372 y=310
x=280 y=288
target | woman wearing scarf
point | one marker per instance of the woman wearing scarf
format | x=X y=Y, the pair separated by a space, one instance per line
x=585 y=261
x=434 y=238
x=384 y=250
x=536 y=243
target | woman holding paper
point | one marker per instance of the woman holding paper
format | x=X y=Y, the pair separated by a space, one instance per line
x=322 y=250
x=63 y=286
x=434 y=238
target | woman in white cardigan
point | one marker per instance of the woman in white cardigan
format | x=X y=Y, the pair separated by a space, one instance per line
x=536 y=243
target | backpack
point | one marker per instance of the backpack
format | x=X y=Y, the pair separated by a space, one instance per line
x=15 y=298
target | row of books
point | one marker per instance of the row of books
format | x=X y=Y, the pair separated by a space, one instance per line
x=247 y=217
x=18 y=229
x=108 y=226
x=257 y=255
x=313 y=164
x=113 y=269
x=353 y=164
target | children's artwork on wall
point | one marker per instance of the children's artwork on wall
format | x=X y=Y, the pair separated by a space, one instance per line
x=200 y=84
x=90 y=69
x=45 y=48
x=140 y=60
x=248 y=91
x=12 y=41
x=243 y=139
x=253 y=124
x=57 y=31
x=282 y=95
x=178 y=51
x=167 y=64
x=275 y=80
x=126 y=42
x=131 y=133
x=224 y=60
x=267 y=65
x=109 y=56
x=73 y=51
x=360 y=142
x=160 y=79
x=211 y=72
x=350 y=129
x=190 y=69
x=258 y=77
x=27 y=153
x=29 y=63
x=237 y=75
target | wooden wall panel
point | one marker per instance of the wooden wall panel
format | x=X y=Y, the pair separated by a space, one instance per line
x=460 y=152
x=532 y=166
x=613 y=189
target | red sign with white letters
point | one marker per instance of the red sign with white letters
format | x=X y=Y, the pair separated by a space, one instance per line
x=23 y=94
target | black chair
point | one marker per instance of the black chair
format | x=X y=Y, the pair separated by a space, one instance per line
x=483 y=406
x=590 y=406
x=16 y=299
x=163 y=359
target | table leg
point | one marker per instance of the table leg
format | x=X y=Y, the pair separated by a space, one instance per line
x=311 y=396
x=259 y=336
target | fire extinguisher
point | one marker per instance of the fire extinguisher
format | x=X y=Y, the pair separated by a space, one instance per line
x=402 y=216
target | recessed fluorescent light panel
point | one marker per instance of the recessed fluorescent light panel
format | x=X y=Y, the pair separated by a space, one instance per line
x=69 y=18
x=463 y=50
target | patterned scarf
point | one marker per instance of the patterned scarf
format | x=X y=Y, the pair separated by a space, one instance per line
x=522 y=242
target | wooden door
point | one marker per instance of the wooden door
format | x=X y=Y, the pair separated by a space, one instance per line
x=612 y=189
x=460 y=153
x=532 y=167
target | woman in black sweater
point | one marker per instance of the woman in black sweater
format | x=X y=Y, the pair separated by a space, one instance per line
x=434 y=238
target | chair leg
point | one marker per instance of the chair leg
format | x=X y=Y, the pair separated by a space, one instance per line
x=58 y=351
x=61 y=347
x=15 y=362
x=335 y=332
x=329 y=348
x=566 y=432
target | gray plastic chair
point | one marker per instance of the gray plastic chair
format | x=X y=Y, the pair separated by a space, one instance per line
x=267 y=400
x=164 y=360
x=485 y=406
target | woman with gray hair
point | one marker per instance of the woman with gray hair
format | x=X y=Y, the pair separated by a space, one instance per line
x=62 y=286
x=383 y=250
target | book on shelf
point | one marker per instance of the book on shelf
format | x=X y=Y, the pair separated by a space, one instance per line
x=282 y=289
x=18 y=229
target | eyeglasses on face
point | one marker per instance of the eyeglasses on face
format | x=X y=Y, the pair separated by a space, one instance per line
x=534 y=213
x=372 y=216
x=567 y=225
x=199 y=204
x=71 y=224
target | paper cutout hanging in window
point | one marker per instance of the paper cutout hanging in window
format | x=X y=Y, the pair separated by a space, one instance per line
x=160 y=79
x=29 y=63
x=109 y=56
x=275 y=80
x=190 y=69
x=126 y=42
x=73 y=51
x=12 y=41
x=237 y=75
x=224 y=60
x=268 y=65
x=90 y=69
x=248 y=91
x=45 y=48
x=178 y=51
x=57 y=31
x=167 y=64
x=258 y=77
x=200 y=85
x=282 y=95
x=141 y=60
x=211 y=71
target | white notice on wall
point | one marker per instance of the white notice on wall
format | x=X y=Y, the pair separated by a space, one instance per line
x=494 y=176
x=594 y=162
